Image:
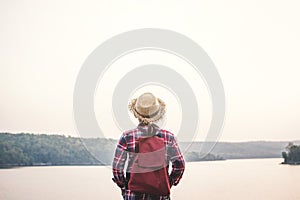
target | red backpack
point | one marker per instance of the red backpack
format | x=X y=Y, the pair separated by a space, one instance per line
x=149 y=173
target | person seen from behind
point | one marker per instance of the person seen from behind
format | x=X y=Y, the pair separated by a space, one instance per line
x=148 y=150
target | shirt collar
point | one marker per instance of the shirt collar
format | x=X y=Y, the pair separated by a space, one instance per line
x=149 y=129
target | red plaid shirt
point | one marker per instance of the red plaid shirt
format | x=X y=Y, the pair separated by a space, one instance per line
x=128 y=142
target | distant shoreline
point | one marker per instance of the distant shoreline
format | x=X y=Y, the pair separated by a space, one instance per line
x=8 y=166
x=20 y=150
x=101 y=165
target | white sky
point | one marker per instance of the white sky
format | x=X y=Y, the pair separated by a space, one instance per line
x=255 y=46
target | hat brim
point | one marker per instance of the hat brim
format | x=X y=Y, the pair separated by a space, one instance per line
x=147 y=120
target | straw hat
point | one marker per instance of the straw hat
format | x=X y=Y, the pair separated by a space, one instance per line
x=147 y=108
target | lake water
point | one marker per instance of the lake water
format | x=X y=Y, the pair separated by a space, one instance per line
x=245 y=179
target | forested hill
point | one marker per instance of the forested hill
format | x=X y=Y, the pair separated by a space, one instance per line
x=41 y=149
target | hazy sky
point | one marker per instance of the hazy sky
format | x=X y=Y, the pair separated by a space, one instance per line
x=255 y=46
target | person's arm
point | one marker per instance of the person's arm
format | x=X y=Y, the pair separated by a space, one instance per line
x=178 y=164
x=119 y=162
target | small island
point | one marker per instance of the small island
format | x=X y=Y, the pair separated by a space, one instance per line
x=292 y=154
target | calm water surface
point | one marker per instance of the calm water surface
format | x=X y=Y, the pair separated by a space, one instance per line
x=243 y=179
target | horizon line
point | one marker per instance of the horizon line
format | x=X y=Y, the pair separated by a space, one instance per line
x=223 y=141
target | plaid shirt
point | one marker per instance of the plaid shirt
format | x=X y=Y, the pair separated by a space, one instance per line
x=127 y=144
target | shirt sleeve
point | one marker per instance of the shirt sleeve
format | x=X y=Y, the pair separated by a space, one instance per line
x=119 y=162
x=178 y=163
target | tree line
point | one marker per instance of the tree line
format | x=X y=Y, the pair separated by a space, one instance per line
x=31 y=149
x=25 y=149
